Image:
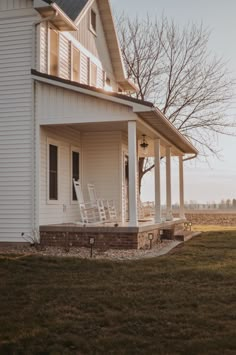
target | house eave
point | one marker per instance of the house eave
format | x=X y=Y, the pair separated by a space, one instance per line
x=128 y=85
x=161 y=124
x=62 y=22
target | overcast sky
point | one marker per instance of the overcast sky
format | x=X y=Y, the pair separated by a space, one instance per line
x=217 y=179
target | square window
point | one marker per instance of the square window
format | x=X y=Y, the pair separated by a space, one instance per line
x=93 y=21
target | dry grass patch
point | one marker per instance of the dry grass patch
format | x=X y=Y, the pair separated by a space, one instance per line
x=212 y=228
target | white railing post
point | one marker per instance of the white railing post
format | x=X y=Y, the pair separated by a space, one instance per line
x=168 y=185
x=157 y=154
x=181 y=187
x=132 y=149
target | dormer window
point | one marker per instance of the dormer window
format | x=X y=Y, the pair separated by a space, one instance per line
x=93 y=21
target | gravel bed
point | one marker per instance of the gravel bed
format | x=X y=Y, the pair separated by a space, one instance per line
x=84 y=253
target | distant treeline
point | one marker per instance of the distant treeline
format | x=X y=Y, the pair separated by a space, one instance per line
x=223 y=204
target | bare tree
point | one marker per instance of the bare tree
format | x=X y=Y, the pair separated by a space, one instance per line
x=173 y=68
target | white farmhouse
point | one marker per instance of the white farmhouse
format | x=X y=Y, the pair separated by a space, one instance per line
x=66 y=113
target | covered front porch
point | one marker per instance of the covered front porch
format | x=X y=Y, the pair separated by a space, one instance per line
x=107 y=157
x=96 y=137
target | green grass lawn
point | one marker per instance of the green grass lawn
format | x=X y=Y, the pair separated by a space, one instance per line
x=182 y=303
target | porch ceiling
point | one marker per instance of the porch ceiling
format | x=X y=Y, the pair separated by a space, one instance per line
x=122 y=127
x=100 y=127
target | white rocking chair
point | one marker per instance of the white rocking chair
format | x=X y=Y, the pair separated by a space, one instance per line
x=108 y=205
x=90 y=212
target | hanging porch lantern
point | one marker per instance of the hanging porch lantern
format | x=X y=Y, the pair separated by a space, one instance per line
x=144 y=144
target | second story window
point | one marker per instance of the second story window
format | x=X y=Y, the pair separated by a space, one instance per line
x=53 y=52
x=93 y=21
x=75 y=64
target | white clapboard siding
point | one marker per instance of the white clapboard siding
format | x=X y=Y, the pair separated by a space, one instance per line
x=64 y=57
x=95 y=44
x=16 y=148
x=59 y=105
x=14 y=4
x=64 y=210
x=101 y=164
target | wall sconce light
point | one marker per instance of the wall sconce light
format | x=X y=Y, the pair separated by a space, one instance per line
x=144 y=144
x=150 y=237
x=91 y=243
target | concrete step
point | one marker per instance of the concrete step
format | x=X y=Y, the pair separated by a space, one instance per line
x=183 y=236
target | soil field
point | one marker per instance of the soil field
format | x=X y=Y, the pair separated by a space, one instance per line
x=221 y=218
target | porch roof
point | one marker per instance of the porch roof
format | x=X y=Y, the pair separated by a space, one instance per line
x=144 y=109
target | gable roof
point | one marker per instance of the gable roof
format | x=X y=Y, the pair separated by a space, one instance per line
x=72 y=8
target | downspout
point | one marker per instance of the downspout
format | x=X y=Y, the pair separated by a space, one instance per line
x=36 y=135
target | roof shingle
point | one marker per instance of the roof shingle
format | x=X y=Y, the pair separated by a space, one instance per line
x=72 y=8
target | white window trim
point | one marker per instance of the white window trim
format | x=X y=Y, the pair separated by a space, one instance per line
x=90 y=22
x=51 y=141
x=76 y=150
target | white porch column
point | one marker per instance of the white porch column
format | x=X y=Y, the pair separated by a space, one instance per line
x=168 y=184
x=157 y=181
x=181 y=187
x=132 y=149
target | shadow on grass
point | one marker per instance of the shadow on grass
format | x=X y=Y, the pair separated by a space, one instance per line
x=182 y=303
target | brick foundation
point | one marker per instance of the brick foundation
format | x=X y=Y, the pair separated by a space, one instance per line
x=75 y=239
x=106 y=237
x=103 y=240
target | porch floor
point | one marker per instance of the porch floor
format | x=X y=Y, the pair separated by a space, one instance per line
x=143 y=226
